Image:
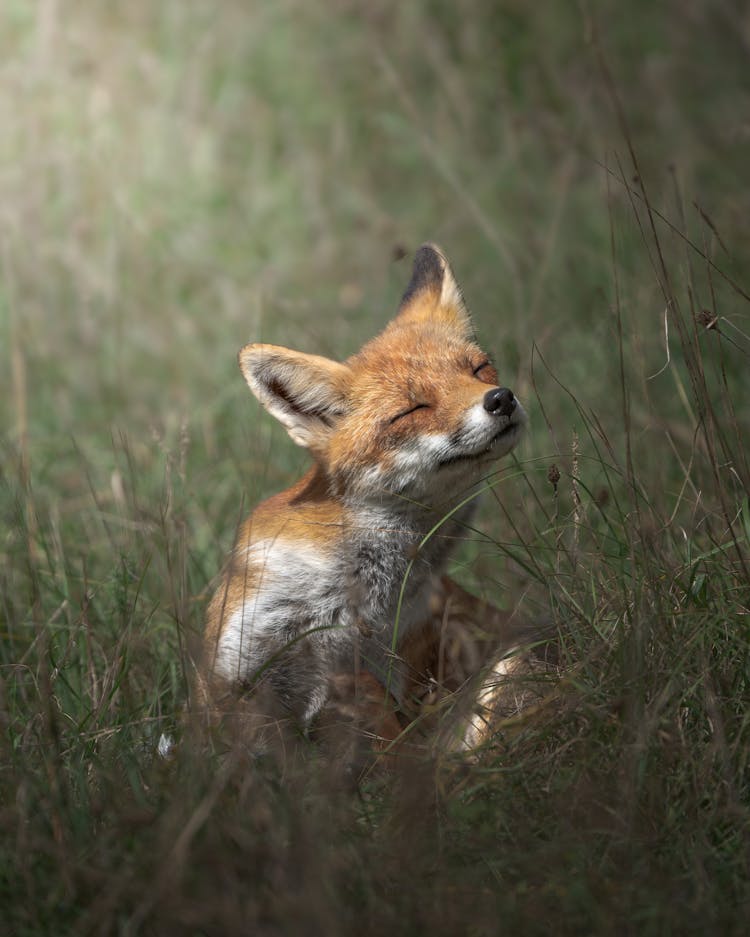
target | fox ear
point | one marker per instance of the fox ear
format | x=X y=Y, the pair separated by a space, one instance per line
x=306 y=393
x=433 y=295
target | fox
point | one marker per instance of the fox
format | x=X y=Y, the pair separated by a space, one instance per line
x=343 y=573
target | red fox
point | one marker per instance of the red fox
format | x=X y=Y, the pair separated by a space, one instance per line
x=341 y=573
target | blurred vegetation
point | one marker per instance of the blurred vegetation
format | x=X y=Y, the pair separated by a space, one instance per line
x=179 y=178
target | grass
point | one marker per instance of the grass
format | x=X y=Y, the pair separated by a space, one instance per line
x=176 y=180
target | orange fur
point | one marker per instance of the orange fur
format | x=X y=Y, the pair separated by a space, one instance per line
x=314 y=589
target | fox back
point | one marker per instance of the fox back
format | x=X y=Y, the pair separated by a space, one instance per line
x=336 y=573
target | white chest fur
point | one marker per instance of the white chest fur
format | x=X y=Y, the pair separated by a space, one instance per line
x=345 y=598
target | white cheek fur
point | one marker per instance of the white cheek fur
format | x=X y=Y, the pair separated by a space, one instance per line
x=416 y=468
x=479 y=426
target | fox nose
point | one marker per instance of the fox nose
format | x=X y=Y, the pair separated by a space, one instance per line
x=500 y=400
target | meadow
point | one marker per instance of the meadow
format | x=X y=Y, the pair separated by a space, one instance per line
x=179 y=178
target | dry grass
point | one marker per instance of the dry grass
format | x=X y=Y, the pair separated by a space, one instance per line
x=176 y=179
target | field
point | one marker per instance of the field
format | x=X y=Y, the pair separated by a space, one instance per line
x=179 y=178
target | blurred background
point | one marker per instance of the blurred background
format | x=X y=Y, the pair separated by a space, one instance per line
x=179 y=178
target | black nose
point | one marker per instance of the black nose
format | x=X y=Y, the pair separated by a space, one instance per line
x=500 y=401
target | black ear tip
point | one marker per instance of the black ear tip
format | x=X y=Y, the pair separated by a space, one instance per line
x=429 y=256
x=427 y=273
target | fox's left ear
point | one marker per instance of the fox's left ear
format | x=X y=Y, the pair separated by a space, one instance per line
x=433 y=295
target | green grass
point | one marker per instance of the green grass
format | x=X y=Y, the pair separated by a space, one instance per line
x=179 y=178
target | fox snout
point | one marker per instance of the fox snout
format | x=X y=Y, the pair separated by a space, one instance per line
x=499 y=400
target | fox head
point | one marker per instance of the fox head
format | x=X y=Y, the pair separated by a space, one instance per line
x=418 y=413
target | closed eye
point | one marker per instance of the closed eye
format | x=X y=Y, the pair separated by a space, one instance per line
x=481 y=367
x=417 y=406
